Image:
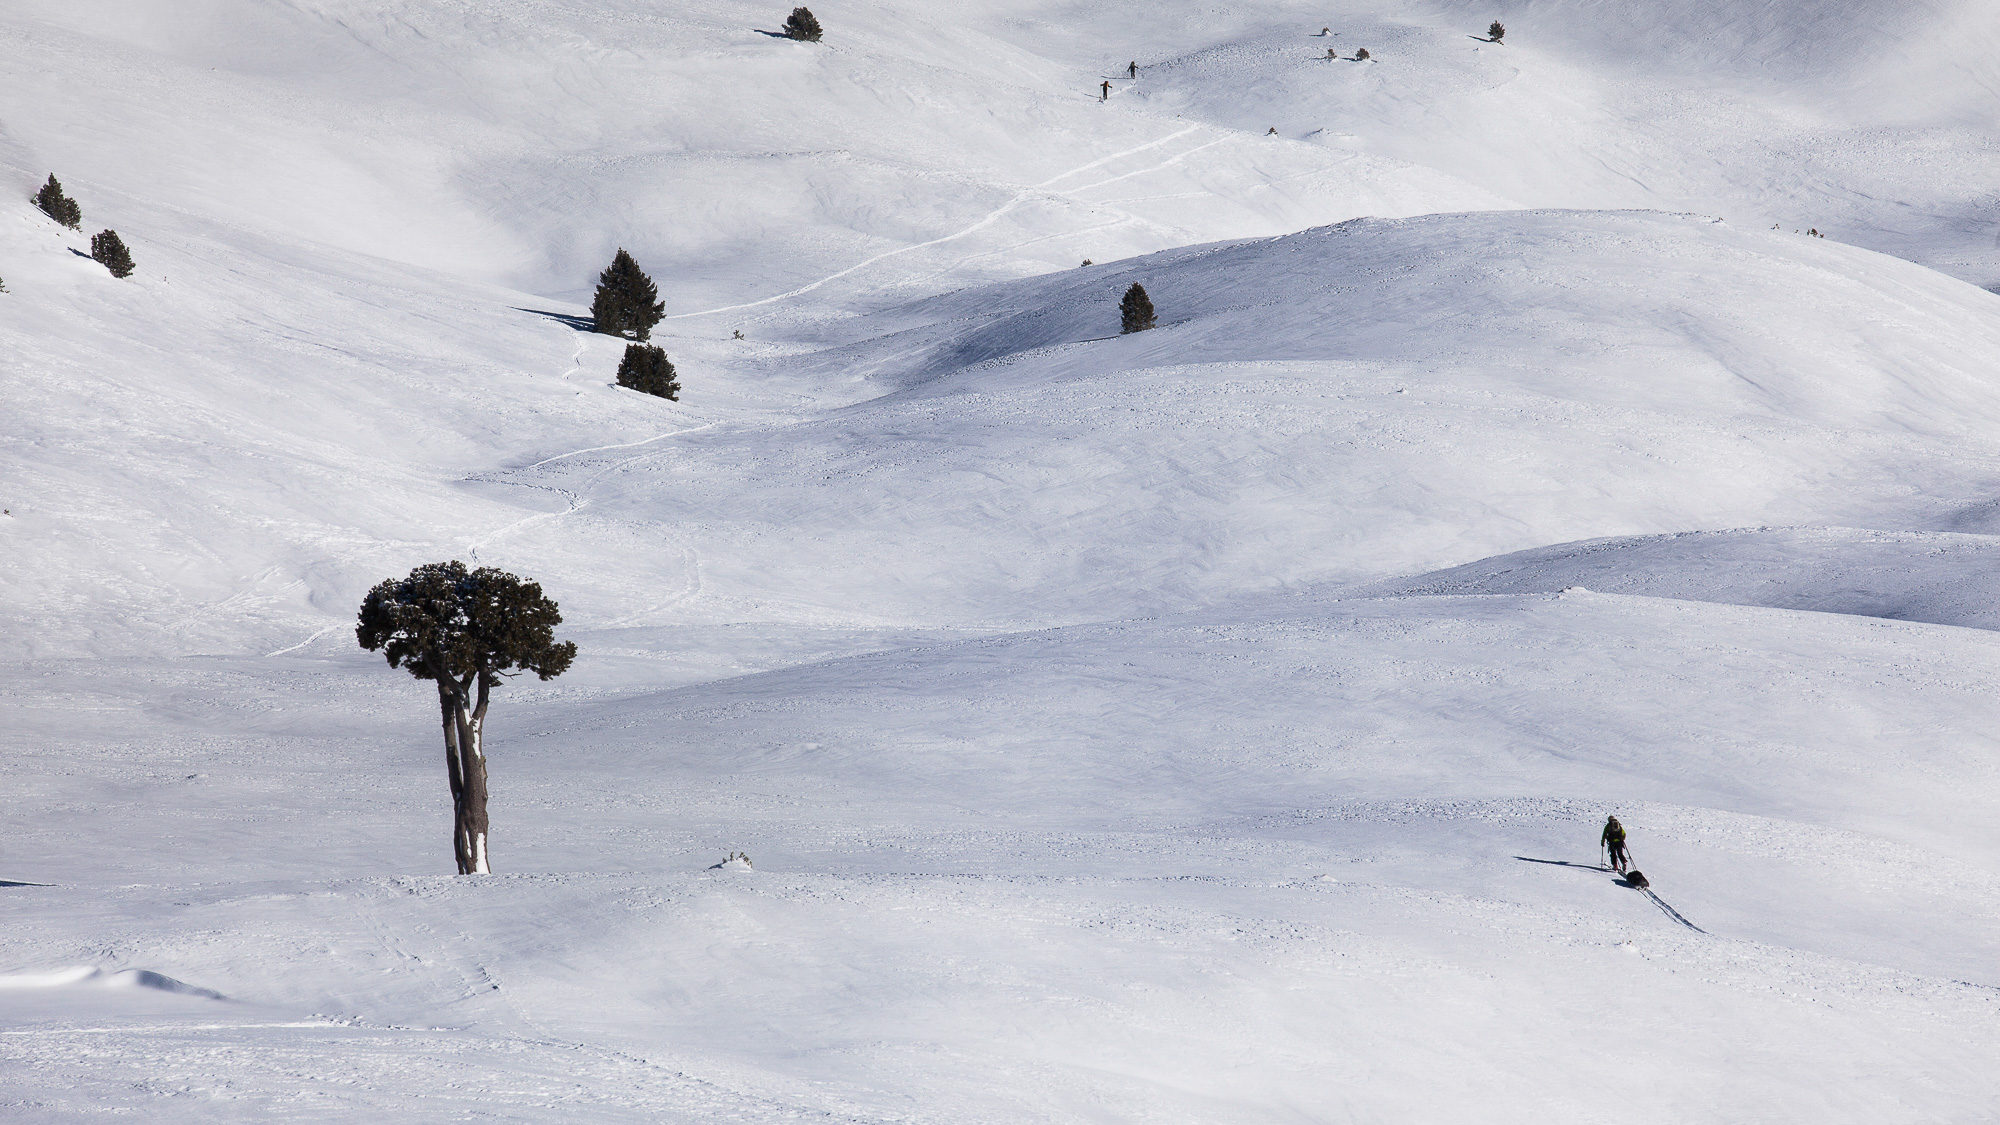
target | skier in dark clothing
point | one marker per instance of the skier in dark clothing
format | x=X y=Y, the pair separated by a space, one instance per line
x=1613 y=841
x=1105 y=96
x=1134 y=69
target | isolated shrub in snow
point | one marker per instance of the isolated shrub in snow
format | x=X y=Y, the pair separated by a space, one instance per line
x=626 y=300
x=109 y=251
x=1496 y=32
x=801 y=25
x=1135 y=312
x=464 y=631
x=648 y=370
x=58 y=206
x=1361 y=55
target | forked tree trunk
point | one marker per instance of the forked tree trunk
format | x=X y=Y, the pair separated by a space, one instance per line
x=465 y=764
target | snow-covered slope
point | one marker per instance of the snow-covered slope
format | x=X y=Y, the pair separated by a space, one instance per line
x=1349 y=403
x=1202 y=724
x=1187 y=868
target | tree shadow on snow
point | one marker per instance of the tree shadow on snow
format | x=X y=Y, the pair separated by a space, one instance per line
x=17 y=883
x=772 y=34
x=580 y=323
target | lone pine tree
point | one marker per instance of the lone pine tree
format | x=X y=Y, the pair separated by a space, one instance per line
x=626 y=301
x=464 y=632
x=647 y=369
x=108 y=250
x=1135 y=312
x=1496 y=32
x=801 y=25
x=58 y=206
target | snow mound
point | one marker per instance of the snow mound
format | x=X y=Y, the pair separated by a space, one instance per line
x=92 y=976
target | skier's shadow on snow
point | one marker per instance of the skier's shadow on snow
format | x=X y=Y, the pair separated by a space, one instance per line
x=1564 y=863
x=580 y=323
x=1601 y=869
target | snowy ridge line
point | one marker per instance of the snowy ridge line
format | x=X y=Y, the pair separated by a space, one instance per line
x=1904 y=577
x=1019 y=197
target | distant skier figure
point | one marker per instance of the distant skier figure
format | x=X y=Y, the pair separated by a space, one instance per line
x=1105 y=94
x=1133 y=67
x=1613 y=841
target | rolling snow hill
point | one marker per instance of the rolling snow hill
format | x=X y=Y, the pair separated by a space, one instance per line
x=1212 y=723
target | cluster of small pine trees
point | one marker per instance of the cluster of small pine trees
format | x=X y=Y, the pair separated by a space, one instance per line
x=802 y=26
x=58 y=206
x=627 y=304
x=106 y=248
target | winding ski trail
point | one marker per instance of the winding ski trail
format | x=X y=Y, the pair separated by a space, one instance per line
x=1044 y=188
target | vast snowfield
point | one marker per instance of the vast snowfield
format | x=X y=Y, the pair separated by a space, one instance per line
x=1210 y=724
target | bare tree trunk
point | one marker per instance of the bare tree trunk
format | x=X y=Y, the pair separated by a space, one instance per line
x=465 y=765
x=472 y=821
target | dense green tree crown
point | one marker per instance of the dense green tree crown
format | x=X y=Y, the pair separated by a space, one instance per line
x=626 y=300
x=109 y=251
x=58 y=206
x=647 y=369
x=1135 y=312
x=801 y=25
x=442 y=623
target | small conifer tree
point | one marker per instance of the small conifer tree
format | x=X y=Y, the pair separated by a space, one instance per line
x=1496 y=32
x=647 y=369
x=801 y=25
x=1135 y=312
x=626 y=301
x=108 y=250
x=1361 y=55
x=58 y=206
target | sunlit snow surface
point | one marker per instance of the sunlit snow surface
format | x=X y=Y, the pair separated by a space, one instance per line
x=1210 y=724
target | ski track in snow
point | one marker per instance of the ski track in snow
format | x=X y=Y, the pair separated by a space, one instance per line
x=1019 y=197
